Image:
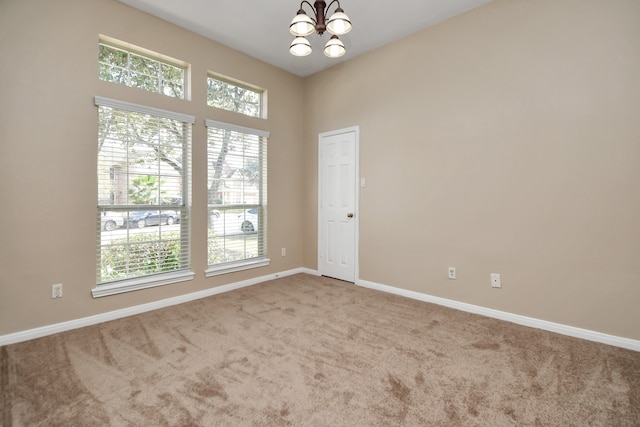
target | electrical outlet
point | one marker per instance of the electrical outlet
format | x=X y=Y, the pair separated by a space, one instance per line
x=495 y=280
x=452 y=273
x=56 y=291
x=284 y=251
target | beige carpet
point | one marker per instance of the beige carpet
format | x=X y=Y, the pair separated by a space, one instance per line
x=313 y=351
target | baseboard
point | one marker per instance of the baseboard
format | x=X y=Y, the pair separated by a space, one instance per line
x=509 y=317
x=470 y=308
x=138 y=309
x=310 y=271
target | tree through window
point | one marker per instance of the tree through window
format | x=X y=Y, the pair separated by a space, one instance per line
x=237 y=196
x=234 y=96
x=143 y=185
x=121 y=63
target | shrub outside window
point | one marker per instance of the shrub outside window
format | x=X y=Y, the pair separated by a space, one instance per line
x=144 y=163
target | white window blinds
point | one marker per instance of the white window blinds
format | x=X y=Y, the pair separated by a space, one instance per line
x=237 y=197
x=144 y=170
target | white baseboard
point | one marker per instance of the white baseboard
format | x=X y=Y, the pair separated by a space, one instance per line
x=130 y=311
x=501 y=315
x=310 y=271
x=509 y=317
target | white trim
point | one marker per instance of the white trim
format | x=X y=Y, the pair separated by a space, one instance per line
x=101 y=101
x=30 y=334
x=131 y=48
x=236 y=128
x=356 y=255
x=310 y=271
x=138 y=309
x=356 y=243
x=509 y=317
x=236 y=266
x=141 y=283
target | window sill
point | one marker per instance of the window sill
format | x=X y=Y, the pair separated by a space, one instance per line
x=236 y=266
x=141 y=283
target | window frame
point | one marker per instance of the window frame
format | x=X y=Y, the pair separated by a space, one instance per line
x=160 y=278
x=263 y=259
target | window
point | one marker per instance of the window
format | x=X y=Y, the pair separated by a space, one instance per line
x=234 y=96
x=237 y=193
x=144 y=163
x=136 y=67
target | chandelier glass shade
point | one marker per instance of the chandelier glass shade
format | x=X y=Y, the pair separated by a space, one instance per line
x=304 y=25
x=334 y=48
x=300 y=47
x=339 y=23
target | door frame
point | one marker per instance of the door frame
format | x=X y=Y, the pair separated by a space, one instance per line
x=356 y=202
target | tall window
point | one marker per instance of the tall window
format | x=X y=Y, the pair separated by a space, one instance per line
x=131 y=66
x=144 y=163
x=235 y=96
x=237 y=197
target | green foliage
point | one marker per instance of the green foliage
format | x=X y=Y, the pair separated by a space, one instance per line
x=233 y=156
x=251 y=171
x=216 y=251
x=231 y=248
x=230 y=97
x=130 y=69
x=144 y=190
x=147 y=138
x=140 y=255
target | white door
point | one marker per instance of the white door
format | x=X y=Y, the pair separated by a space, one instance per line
x=337 y=196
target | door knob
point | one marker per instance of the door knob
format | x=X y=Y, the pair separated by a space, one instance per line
x=349 y=215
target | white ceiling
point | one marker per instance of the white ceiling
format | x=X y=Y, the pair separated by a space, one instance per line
x=260 y=28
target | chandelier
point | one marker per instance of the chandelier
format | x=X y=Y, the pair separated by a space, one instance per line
x=303 y=25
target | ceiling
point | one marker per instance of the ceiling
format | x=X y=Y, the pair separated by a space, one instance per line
x=260 y=28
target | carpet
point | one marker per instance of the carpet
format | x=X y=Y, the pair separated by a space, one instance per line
x=314 y=351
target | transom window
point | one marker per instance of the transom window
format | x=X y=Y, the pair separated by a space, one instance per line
x=234 y=96
x=144 y=162
x=142 y=69
x=237 y=197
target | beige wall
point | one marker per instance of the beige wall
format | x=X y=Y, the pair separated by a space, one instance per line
x=504 y=140
x=48 y=143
